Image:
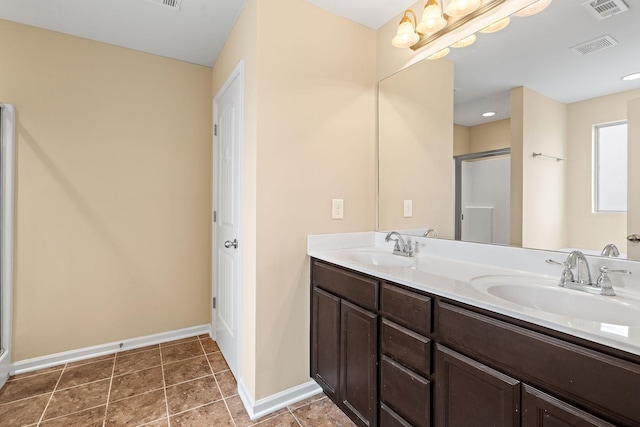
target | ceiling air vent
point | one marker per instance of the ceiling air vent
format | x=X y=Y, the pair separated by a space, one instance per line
x=171 y=4
x=594 y=45
x=602 y=9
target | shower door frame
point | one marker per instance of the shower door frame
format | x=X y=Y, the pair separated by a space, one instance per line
x=458 y=160
x=7 y=140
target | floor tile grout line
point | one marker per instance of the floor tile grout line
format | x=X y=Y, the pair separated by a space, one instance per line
x=71 y=413
x=294 y=415
x=52 y=393
x=164 y=389
x=224 y=400
x=106 y=407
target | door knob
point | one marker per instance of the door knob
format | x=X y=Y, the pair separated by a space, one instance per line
x=633 y=238
x=233 y=244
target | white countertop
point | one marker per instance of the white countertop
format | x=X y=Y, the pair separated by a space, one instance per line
x=460 y=279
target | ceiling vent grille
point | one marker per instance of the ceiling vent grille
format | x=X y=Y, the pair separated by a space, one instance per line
x=171 y=4
x=595 y=45
x=602 y=9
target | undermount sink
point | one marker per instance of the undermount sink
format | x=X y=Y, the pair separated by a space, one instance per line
x=545 y=295
x=382 y=259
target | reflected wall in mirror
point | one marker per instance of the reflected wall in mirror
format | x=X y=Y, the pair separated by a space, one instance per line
x=548 y=98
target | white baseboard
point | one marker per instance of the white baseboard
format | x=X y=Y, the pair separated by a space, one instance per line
x=262 y=407
x=36 y=363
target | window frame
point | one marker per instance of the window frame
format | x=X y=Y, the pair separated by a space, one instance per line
x=595 y=168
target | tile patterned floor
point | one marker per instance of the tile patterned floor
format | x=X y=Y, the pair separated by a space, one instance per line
x=179 y=383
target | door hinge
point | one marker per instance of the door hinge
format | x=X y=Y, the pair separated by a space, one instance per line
x=215 y=216
x=214 y=302
x=215 y=130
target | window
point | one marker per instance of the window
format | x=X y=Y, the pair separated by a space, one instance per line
x=610 y=167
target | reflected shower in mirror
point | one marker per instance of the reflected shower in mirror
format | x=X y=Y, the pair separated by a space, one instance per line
x=550 y=79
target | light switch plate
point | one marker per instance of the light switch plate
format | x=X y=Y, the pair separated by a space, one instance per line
x=408 y=208
x=337 y=208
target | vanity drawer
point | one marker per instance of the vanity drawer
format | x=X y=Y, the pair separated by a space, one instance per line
x=605 y=384
x=405 y=392
x=407 y=308
x=388 y=418
x=345 y=284
x=405 y=346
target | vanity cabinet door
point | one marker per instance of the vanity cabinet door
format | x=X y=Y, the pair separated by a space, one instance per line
x=541 y=410
x=325 y=341
x=358 y=358
x=470 y=394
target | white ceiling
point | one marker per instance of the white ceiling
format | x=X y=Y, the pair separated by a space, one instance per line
x=196 y=33
x=371 y=13
x=532 y=52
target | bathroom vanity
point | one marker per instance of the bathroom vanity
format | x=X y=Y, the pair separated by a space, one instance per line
x=411 y=343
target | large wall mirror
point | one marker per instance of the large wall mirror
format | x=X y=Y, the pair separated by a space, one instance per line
x=552 y=169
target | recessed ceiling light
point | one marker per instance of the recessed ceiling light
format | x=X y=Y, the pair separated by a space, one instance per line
x=633 y=76
x=489 y=114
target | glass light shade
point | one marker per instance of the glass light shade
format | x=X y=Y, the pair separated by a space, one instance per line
x=629 y=77
x=533 y=8
x=406 y=35
x=440 y=54
x=458 y=8
x=496 y=26
x=432 y=20
x=465 y=41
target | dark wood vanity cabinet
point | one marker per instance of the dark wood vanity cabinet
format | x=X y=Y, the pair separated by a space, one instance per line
x=391 y=356
x=541 y=410
x=470 y=394
x=344 y=340
x=405 y=356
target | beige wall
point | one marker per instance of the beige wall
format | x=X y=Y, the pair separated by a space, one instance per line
x=587 y=229
x=460 y=140
x=311 y=139
x=242 y=45
x=112 y=197
x=541 y=127
x=490 y=136
x=416 y=148
x=485 y=137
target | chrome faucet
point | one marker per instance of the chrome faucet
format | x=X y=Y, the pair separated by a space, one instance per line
x=431 y=232
x=582 y=282
x=577 y=260
x=610 y=250
x=400 y=248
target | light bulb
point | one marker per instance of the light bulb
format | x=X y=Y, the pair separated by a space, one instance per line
x=469 y=40
x=496 y=26
x=406 y=35
x=533 y=8
x=439 y=54
x=432 y=20
x=458 y=8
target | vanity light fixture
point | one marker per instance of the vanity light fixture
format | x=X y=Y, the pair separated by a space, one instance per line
x=440 y=54
x=467 y=41
x=489 y=114
x=533 y=8
x=459 y=8
x=432 y=20
x=406 y=35
x=630 y=77
x=443 y=18
x=496 y=26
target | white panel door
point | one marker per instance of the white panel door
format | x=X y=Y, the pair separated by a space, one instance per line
x=227 y=230
x=633 y=178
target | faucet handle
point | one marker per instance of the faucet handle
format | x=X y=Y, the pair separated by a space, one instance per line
x=567 y=274
x=604 y=281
